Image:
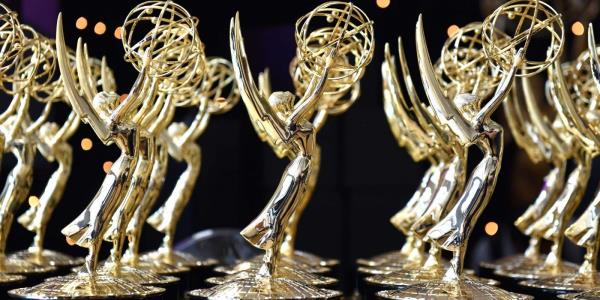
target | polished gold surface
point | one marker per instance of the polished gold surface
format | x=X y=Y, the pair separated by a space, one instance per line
x=274 y=287
x=133 y=125
x=29 y=66
x=578 y=108
x=412 y=124
x=297 y=275
x=217 y=94
x=138 y=275
x=285 y=261
x=396 y=255
x=176 y=258
x=542 y=141
x=52 y=143
x=326 y=39
x=103 y=286
x=588 y=295
x=463 y=289
x=174 y=35
x=466 y=119
x=410 y=276
x=480 y=68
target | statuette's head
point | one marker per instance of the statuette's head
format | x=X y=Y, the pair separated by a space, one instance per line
x=468 y=104
x=177 y=129
x=282 y=102
x=48 y=130
x=105 y=104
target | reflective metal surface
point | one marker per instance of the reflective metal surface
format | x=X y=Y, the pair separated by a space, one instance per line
x=284 y=122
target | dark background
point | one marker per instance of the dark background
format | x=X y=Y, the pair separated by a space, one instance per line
x=365 y=177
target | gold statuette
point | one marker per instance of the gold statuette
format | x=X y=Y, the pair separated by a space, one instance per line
x=31 y=75
x=170 y=33
x=445 y=151
x=551 y=143
x=559 y=197
x=541 y=141
x=176 y=33
x=52 y=144
x=577 y=109
x=468 y=119
x=216 y=94
x=284 y=122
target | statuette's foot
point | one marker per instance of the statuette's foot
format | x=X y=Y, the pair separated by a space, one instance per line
x=82 y=286
x=462 y=289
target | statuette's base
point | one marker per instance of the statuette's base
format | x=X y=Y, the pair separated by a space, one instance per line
x=402 y=278
x=201 y=269
x=381 y=259
x=158 y=267
x=176 y=258
x=173 y=286
x=568 y=283
x=82 y=286
x=463 y=289
x=535 y=270
x=9 y=282
x=587 y=295
x=132 y=274
x=48 y=258
x=410 y=277
x=283 y=272
x=257 y=261
x=487 y=268
x=13 y=265
x=512 y=261
x=10 y=279
x=313 y=260
x=264 y=288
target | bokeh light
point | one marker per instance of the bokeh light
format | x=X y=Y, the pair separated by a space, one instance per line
x=86 y=144
x=383 y=3
x=81 y=23
x=491 y=228
x=100 y=28
x=33 y=201
x=118 y=32
x=106 y=166
x=452 y=30
x=577 y=28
